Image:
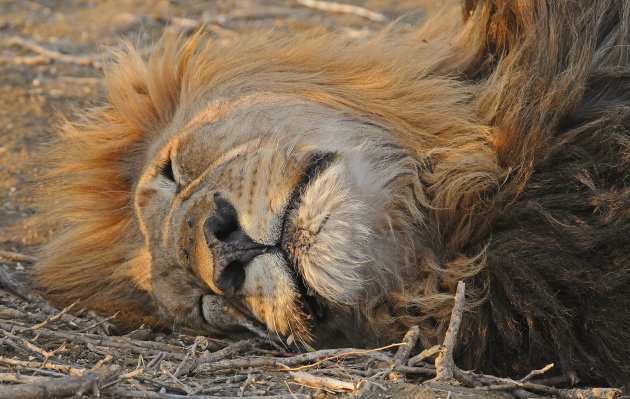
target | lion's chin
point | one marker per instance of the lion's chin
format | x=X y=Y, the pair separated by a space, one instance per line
x=271 y=294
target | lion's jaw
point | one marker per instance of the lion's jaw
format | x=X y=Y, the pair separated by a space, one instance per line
x=318 y=200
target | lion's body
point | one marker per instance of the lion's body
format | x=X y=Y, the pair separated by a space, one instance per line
x=497 y=154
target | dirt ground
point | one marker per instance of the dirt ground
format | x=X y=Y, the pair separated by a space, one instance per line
x=35 y=88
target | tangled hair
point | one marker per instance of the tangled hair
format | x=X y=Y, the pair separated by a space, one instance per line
x=516 y=121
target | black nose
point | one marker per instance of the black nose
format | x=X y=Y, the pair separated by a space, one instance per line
x=231 y=248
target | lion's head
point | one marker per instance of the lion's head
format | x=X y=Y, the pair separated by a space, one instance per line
x=264 y=180
x=278 y=205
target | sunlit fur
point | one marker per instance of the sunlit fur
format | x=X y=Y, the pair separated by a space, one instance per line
x=493 y=151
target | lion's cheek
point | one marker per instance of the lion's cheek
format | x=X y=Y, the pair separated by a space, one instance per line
x=270 y=294
x=331 y=239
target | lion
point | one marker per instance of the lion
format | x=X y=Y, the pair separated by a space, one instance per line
x=335 y=190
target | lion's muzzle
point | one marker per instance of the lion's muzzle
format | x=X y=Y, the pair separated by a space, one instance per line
x=232 y=249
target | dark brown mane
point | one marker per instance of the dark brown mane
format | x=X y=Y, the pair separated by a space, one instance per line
x=554 y=81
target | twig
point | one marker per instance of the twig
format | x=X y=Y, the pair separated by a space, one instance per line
x=424 y=354
x=105 y=320
x=590 y=393
x=344 y=8
x=74 y=370
x=408 y=343
x=95 y=62
x=212 y=357
x=32 y=347
x=189 y=360
x=180 y=384
x=268 y=12
x=444 y=363
x=146 y=369
x=331 y=354
x=49 y=320
x=573 y=393
x=32 y=60
x=56 y=387
x=402 y=354
x=142 y=347
x=322 y=382
x=17 y=257
x=22 y=379
x=285 y=363
x=534 y=373
x=187 y=24
x=16 y=288
x=124 y=393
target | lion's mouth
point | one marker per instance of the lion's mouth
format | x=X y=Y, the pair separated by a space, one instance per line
x=313 y=305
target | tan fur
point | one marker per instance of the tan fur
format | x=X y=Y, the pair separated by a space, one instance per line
x=436 y=136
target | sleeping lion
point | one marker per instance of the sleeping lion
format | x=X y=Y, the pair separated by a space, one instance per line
x=337 y=190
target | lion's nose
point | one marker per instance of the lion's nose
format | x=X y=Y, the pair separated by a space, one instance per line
x=231 y=248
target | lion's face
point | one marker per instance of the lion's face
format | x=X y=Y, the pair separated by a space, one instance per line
x=276 y=210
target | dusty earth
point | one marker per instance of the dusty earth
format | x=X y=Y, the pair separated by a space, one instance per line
x=35 y=88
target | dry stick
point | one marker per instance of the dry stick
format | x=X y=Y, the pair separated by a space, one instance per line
x=16 y=288
x=315 y=381
x=56 y=387
x=180 y=384
x=344 y=8
x=124 y=393
x=146 y=369
x=101 y=362
x=17 y=257
x=49 y=320
x=589 y=393
x=415 y=370
x=444 y=363
x=283 y=363
x=534 y=373
x=557 y=380
x=330 y=354
x=44 y=372
x=187 y=24
x=13 y=315
x=268 y=12
x=409 y=342
x=54 y=55
x=213 y=22
x=189 y=360
x=424 y=354
x=22 y=379
x=134 y=346
x=32 y=347
x=74 y=370
x=212 y=357
x=105 y=320
x=248 y=381
x=574 y=393
x=32 y=60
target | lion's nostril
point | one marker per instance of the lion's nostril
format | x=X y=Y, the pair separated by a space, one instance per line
x=222 y=224
x=231 y=277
